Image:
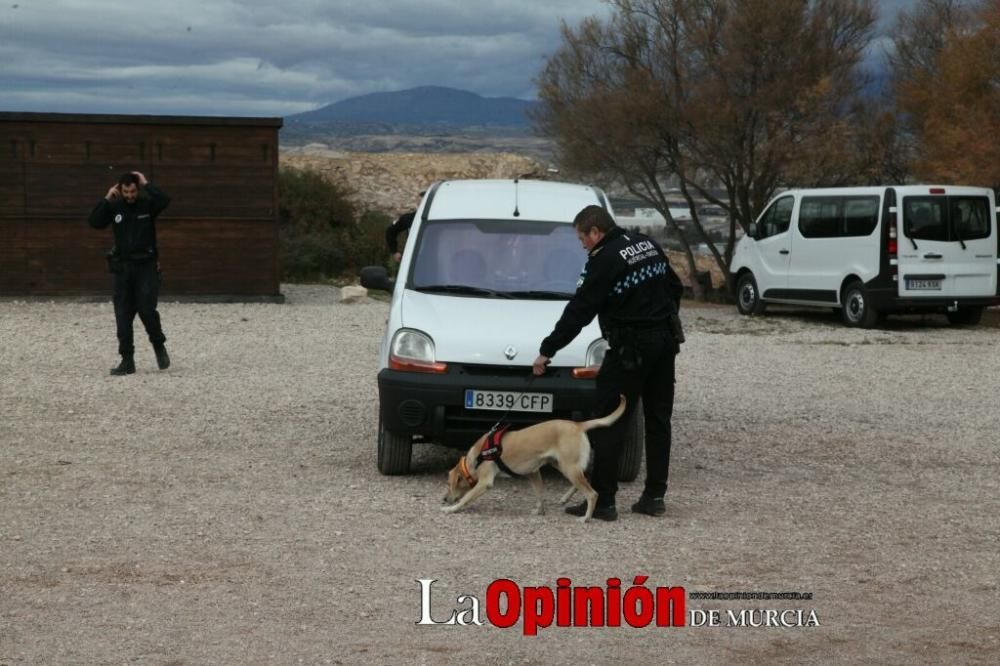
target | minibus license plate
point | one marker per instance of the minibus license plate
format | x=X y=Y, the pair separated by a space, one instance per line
x=923 y=285
x=512 y=400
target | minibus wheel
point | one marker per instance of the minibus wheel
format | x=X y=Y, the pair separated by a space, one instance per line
x=394 y=451
x=748 y=300
x=856 y=310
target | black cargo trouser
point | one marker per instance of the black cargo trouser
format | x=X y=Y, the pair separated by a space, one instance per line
x=137 y=288
x=639 y=365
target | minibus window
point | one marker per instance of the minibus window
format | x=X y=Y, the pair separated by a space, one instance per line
x=925 y=218
x=970 y=217
x=838 y=216
x=946 y=218
x=777 y=218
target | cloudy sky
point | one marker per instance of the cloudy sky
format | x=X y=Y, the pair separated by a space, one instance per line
x=270 y=57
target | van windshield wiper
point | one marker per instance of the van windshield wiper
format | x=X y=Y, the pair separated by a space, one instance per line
x=542 y=295
x=462 y=289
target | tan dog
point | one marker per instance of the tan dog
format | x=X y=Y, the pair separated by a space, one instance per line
x=560 y=442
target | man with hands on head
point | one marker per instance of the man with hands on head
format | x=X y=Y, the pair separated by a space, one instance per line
x=131 y=207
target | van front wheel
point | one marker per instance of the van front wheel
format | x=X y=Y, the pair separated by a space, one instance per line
x=965 y=316
x=633 y=446
x=748 y=300
x=393 y=451
x=856 y=310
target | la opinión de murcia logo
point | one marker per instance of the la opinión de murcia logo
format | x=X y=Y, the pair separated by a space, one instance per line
x=567 y=606
x=593 y=606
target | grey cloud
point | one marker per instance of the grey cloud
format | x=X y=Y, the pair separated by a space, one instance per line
x=256 y=57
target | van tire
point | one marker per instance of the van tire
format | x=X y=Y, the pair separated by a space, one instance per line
x=968 y=316
x=856 y=310
x=748 y=300
x=633 y=445
x=394 y=451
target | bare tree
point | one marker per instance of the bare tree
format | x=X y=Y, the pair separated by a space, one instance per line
x=950 y=96
x=917 y=39
x=946 y=73
x=749 y=95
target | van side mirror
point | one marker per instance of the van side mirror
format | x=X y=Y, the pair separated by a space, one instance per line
x=752 y=230
x=377 y=277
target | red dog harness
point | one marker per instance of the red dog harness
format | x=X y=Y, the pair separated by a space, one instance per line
x=493 y=449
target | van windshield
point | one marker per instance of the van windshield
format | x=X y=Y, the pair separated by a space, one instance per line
x=520 y=258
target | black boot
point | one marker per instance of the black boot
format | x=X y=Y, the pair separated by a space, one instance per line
x=607 y=512
x=126 y=367
x=162 y=358
x=649 y=505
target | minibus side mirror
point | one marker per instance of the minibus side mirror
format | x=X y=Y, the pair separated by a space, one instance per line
x=752 y=230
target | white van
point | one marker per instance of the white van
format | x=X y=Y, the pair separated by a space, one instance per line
x=487 y=270
x=870 y=251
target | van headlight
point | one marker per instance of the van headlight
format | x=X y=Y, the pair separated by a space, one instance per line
x=413 y=351
x=596 y=351
x=595 y=357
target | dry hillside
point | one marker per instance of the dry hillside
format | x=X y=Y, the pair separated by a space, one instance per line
x=390 y=182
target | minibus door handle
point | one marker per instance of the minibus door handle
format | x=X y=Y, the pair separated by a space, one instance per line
x=933 y=255
x=782 y=251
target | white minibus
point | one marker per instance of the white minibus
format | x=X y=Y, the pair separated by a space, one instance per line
x=871 y=251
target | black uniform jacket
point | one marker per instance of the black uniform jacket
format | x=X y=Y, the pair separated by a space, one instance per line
x=402 y=223
x=627 y=283
x=133 y=224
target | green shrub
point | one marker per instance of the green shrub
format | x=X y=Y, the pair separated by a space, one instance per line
x=312 y=256
x=308 y=202
x=320 y=233
x=368 y=241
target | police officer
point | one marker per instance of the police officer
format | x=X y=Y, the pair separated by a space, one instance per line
x=629 y=285
x=392 y=232
x=131 y=207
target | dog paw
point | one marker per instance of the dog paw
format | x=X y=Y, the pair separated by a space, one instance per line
x=539 y=511
x=449 y=509
x=581 y=519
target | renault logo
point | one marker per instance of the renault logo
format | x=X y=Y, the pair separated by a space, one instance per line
x=510 y=352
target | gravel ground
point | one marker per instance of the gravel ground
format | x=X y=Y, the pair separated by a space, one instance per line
x=229 y=510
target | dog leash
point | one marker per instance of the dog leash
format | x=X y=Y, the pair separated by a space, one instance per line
x=464 y=467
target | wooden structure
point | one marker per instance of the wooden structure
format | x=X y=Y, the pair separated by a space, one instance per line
x=218 y=239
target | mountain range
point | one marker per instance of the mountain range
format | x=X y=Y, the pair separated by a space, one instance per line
x=425 y=106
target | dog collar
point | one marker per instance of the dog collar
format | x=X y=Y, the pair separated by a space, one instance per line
x=463 y=467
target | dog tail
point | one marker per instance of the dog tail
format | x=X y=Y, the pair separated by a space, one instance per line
x=607 y=420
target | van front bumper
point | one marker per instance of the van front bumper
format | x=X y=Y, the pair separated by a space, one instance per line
x=432 y=406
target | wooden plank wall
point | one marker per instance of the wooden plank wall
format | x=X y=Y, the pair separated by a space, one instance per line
x=219 y=236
